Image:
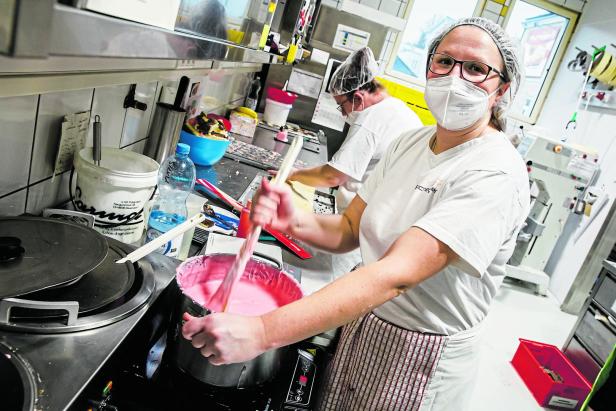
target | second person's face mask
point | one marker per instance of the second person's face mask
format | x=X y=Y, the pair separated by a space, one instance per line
x=351 y=117
x=455 y=103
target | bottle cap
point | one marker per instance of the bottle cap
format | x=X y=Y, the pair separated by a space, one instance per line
x=182 y=148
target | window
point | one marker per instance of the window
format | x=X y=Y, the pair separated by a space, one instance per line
x=425 y=20
x=543 y=31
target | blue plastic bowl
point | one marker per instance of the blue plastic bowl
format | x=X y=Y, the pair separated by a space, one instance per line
x=204 y=151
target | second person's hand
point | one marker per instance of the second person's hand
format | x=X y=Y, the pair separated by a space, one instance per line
x=272 y=207
x=275 y=172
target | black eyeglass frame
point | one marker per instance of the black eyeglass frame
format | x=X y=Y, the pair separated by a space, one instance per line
x=352 y=101
x=461 y=62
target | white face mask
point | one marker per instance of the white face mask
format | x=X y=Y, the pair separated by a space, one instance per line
x=455 y=103
x=351 y=118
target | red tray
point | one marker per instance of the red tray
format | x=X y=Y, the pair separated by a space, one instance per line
x=528 y=361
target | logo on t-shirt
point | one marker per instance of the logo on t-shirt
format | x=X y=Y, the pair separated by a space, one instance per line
x=429 y=190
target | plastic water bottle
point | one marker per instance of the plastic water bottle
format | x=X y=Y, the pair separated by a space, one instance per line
x=176 y=179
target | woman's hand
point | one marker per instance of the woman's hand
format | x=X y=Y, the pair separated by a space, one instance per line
x=272 y=207
x=226 y=338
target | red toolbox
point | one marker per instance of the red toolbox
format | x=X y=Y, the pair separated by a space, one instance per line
x=549 y=375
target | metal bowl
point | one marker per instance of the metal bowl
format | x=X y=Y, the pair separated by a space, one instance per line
x=189 y=359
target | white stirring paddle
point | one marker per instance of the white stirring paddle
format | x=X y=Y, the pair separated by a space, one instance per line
x=147 y=248
x=220 y=299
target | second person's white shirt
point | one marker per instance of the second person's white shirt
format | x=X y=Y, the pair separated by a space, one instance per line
x=366 y=142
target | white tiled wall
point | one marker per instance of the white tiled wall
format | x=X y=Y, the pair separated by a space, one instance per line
x=30 y=132
x=16 y=115
x=108 y=103
x=13 y=204
x=136 y=122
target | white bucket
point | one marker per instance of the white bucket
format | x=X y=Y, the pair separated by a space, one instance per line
x=275 y=112
x=115 y=192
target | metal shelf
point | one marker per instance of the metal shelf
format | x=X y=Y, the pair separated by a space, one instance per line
x=74 y=32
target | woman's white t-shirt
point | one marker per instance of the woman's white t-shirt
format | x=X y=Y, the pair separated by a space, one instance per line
x=367 y=139
x=473 y=197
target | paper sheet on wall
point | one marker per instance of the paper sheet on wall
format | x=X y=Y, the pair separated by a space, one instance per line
x=319 y=56
x=305 y=83
x=72 y=139
x=326 y=113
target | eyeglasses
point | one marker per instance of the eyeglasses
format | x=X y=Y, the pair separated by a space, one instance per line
x=340 y=108
x=473 y=71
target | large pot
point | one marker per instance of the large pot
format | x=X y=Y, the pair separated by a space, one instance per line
x=189 y=359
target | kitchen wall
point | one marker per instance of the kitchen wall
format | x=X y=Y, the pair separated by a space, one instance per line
x=596 y=128
x=30 y=130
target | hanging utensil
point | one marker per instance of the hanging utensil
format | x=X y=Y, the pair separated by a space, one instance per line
x=181 y=92
x=97 y=141
x=220 y=299
x=162 y=239
x=572 y=123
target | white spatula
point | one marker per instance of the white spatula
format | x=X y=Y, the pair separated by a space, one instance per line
x=147 y=248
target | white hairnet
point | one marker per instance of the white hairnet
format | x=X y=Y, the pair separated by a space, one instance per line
x=509 y=52
x=358 y=69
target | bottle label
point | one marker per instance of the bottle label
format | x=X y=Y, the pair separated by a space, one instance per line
x=171 y=248
x=251 y=103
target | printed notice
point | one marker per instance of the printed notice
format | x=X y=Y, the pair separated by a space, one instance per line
x=72 y=139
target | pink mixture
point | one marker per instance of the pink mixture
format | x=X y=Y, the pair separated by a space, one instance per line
x=247 y=298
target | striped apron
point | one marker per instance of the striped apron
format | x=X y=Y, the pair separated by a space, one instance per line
x=380 y=366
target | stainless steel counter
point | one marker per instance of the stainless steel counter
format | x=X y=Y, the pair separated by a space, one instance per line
x=63 y=364
x=234 y=177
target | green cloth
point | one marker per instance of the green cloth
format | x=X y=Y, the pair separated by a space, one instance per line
x=601 y=378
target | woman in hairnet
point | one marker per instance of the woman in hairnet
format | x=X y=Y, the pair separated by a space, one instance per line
x=436 y=222
x=375 y=119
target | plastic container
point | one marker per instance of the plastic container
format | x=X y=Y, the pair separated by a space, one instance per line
x=244 y=121
x=276 y=113
x=204 y=151
x=115 y=192
x=529 y=361
x=281 y=96
x=176 y=180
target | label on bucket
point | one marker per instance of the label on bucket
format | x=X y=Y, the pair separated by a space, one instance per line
x=557 y=401
x=119 y=213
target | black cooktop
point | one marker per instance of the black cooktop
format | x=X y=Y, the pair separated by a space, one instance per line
x=175 y=390
x=16 y=382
